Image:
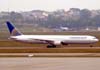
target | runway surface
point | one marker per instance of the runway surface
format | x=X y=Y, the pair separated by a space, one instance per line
x=49 y=54
x=45 y=63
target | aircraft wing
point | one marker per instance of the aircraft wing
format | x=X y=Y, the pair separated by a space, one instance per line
x=55 y=42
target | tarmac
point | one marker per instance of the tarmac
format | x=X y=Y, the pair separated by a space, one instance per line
x=45 y=63
x=49 y=54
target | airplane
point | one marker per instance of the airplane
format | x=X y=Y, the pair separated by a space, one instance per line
x=52 y=40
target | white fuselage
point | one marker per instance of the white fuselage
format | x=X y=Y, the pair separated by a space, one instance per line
x=56 y=39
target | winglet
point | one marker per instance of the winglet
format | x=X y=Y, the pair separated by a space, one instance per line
x=13 y=31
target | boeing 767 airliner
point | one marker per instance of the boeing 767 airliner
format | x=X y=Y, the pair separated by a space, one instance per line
x=51 y=40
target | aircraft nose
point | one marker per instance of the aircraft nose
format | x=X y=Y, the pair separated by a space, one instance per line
x=96 y=40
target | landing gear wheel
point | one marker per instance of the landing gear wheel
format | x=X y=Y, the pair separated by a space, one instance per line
x=51 y=46
x=91 y=45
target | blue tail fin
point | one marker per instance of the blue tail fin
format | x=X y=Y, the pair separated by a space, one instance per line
x=13 y=31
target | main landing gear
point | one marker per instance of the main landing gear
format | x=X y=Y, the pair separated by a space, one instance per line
x=91 y=45
x=51 y=46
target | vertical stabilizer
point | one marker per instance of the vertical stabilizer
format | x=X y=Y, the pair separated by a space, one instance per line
x=13 y=31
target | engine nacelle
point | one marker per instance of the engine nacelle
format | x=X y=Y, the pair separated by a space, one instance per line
x=57 y=42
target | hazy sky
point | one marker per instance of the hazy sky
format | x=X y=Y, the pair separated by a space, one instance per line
x=48 y=5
